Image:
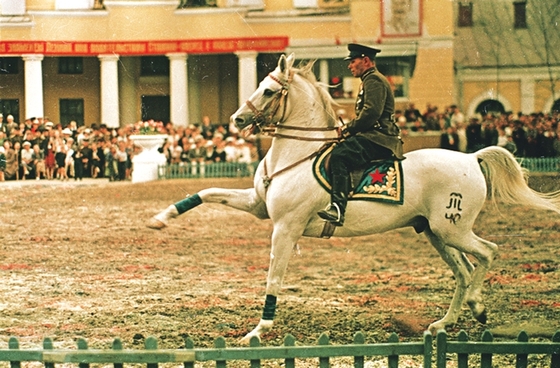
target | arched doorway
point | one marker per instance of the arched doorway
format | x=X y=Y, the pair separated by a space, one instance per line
x=555 y=107
x=489 y=107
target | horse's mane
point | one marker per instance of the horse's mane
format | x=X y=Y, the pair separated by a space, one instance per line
x=306 y=71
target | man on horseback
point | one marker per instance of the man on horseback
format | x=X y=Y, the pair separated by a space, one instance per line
x=372 y=135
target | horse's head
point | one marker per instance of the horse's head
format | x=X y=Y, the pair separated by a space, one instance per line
x=268 y=104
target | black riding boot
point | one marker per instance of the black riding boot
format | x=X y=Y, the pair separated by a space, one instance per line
x=334 y=213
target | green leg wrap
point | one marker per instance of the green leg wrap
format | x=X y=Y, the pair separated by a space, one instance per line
x=188 y=203
x=269 y=307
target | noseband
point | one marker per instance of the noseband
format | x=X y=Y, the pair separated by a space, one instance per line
x=264 y=120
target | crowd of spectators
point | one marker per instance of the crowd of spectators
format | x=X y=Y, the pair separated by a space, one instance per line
x=525 y=135
x=41 y=149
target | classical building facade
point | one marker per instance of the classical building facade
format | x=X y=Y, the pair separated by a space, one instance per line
x=119 y=61
x=507 y=56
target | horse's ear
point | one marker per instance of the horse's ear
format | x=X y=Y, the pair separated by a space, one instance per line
x=290 y=60
x=282 y=63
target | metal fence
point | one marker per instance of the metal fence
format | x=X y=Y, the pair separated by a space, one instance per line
x=202 y=170
x=220 y=355
x=541 y=164
x=239 y=170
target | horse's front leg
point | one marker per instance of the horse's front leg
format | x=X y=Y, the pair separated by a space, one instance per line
x=283 y=243
x=242 y=199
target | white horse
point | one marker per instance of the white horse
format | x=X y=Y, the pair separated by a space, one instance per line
x=297 y=109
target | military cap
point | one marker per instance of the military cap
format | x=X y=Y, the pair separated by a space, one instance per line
x=357 y=50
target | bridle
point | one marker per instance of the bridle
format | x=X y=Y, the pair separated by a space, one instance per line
x=263 y=120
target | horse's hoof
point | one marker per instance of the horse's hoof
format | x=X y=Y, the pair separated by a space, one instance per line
x=155 y=224
x=482 y=317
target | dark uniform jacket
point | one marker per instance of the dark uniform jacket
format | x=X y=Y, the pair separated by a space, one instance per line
x=375 y=108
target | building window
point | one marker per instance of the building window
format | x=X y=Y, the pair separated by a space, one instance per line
x=197 y=3
x=10 y=107
x=398 y=71
x=9 y=65
x=465 y=15
x=520 y=14
x=70 y=65
x=72 y=109
x=154 y=65
x=333 y=3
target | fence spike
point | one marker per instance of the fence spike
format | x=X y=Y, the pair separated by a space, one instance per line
x=324 y=362
x=486 y=359
x=393 y=337
x=441 y=349
x=555 y=358
x=220 y=342
x=323 y=339
x=82 y=343
x=463 y=358
x=289 y=340
x=13 y=343
x=428 y=349
x=521 y=360
x=189 y=343
x=359 y=338
x=393 y=360
x=151 y=343
x=254 y=342
x=463 y=336
x=487 y=336
x=47 y=343
x=117 y=344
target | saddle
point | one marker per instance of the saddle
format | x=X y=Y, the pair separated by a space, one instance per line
x=381 y=181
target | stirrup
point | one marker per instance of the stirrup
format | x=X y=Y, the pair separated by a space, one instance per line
x=327 y=214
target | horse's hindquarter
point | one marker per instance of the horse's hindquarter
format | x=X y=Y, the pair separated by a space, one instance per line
x=447 y=187
x=444 y=187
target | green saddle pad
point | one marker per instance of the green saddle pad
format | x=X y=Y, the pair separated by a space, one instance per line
x=383 y=181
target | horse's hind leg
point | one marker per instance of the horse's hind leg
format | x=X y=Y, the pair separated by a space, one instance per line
x=474 y=292
x=242 y=199
x=469 y=278
x=462 y=273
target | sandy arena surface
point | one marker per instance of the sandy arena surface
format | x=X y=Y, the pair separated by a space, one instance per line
x=76 y=260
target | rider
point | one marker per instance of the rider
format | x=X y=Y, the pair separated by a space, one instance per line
x=372 y=135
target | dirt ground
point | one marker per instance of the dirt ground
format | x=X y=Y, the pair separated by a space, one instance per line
x=76 y=260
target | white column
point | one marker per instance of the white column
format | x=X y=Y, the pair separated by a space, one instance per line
x=178 y=86
x=109 y=90
x=324 y=73
x=527 y=95
x=34 y=105
x=247 y=74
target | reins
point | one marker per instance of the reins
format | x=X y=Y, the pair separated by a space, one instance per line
x=264 y=121
x=267 y=179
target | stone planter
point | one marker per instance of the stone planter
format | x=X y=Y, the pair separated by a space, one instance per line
x=145 y=164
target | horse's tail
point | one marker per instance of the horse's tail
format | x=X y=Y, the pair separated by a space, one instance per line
x=507 y=180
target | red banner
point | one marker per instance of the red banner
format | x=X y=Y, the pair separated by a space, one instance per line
x=203 y=46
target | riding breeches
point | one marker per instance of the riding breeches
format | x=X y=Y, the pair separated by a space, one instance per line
x=356 y=153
